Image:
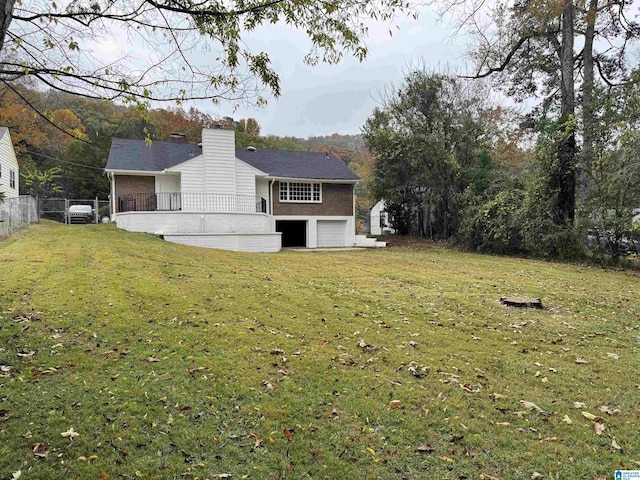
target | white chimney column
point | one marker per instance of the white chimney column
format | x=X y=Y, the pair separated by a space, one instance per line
x=219 y=151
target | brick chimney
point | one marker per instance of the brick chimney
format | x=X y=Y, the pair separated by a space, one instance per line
x=177 y=137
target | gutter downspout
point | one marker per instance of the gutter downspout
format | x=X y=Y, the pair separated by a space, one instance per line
x=113 y=195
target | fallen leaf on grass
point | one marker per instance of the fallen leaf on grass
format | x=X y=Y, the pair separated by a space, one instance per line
x=599 y=428
x=467 y=387
x=418 y=370
x=567 y=420
x=365 y=346
x=395 y=403
x=151 y=359
x=424 y=448
x=531 y=406
x=581 y=361
x=608 y=411
x=70 y=434
x=579 y=405
x=613 y=356
x=30 y=353
x=551 y=439
x=446 y=459
x=484 y=476
x=39 y=450
x=615 y=445
x=288 y=433
x=589 y=416
x=535 y=475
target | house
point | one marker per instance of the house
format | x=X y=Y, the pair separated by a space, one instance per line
x=9 y=171
x=380 y=223
x=216 y=195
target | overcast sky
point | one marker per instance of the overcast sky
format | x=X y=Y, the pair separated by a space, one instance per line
x=328 y=99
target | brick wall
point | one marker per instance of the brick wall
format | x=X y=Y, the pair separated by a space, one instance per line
x=337 y=200
x=128 y=184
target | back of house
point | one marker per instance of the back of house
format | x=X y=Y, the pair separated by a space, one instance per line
x=214 y=194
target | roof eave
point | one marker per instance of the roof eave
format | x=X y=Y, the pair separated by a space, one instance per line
x=320 y=180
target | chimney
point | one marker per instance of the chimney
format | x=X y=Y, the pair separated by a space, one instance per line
x=176 y=137
x=219 y=151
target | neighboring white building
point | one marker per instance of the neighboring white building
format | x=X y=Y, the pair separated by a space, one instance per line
x=216 y=195
x=9 y=171
x=380 y=221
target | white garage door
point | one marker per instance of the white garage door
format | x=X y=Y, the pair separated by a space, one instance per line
x=332 y=233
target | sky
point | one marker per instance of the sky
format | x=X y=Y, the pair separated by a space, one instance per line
x=326 y=99
x=321 y=99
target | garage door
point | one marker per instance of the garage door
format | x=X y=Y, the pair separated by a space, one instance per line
x=332 y=233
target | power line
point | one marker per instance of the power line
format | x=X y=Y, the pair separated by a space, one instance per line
x=64 y=161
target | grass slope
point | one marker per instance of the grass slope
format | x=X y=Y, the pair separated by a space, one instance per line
x=177 y=362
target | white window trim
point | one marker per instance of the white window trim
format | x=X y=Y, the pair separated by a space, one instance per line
x=288 y=200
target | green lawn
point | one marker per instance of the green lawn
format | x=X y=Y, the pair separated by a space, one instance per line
x=400 y=363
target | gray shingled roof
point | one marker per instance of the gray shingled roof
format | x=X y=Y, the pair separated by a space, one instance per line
x=137 y=155
x=290 y=164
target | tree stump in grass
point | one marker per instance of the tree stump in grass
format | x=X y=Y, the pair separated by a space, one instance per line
x=522 y=302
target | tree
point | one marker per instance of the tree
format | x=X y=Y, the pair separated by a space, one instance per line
x=51 y=43
x=428 y=138
x=40 y=183
x=530 y=47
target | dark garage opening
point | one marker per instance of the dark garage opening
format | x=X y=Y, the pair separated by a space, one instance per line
x=294 y=232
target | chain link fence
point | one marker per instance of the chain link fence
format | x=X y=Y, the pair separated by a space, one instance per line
x=17 y=212
x=57 y=208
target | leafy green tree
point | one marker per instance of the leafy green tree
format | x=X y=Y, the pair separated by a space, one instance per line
x=48 y=42
x=555 y=50
x=40 y=183
x=427 y=138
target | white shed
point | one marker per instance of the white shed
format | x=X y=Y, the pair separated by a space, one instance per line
x=380 y=221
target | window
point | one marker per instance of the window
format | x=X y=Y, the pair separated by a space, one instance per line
x=0 y=170
x=301 y=192
x=12 y=179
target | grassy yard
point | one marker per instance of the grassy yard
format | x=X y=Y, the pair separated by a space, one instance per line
x=122 y=356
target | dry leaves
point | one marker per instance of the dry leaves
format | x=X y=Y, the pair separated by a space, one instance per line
x=39 y=450
x=608 y=411
x=70 y=434
x=599 y=428
x=581 y=361
x=531 y=406
x=424 y=448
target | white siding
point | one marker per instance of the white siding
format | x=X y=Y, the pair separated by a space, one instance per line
x=167 y=183
x=8 y=164
x=191 y=175
x=245 y=179
x=262 y=188
x=219 y=151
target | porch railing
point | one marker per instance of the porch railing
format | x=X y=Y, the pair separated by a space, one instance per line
x=191 y=202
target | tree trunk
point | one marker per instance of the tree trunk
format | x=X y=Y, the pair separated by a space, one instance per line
x=563 y=178
x=6 y=12
x=587 y=105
